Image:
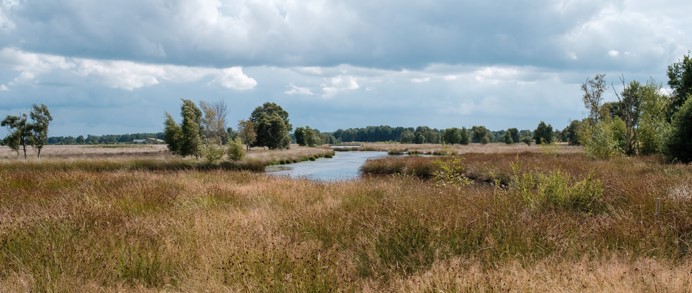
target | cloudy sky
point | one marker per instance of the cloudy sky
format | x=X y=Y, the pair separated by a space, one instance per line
x=110 y=67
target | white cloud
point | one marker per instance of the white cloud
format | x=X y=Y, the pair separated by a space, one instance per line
x=125 y=75
x=3 y=88
x=339 y=84
x=613 y=53
x=234 y=78
x=296 y=90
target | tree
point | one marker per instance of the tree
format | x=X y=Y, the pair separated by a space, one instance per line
x=543 y=133
x=20 y=132
x=571 y=132
x=679 y=145
x=306 y=136
x=593 y=95
x=629 y=111
x=41 y=118
x=464 y=136
x=418 y=137
x=478 y=132
x=485 y=139
x=653 y=126
x=272 y=126
x=300 y=136
x=407 y=136
x=214 y=122
x=451 y=136
x=12 y=141
x=312 y=137
x=508 y=138
x=191 y=144
x=680 y=81
x=515 y=134
x=246 y=132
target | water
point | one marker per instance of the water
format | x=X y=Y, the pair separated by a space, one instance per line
x=343 y=166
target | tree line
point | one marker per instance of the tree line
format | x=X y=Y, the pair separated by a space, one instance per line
x=424 y=134
x=103 y=139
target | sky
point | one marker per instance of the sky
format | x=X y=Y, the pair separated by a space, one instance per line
x=114 y=67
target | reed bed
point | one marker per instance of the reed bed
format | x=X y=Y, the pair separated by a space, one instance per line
x=129 y=229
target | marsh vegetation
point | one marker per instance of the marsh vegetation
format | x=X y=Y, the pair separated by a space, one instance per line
x=534 y=221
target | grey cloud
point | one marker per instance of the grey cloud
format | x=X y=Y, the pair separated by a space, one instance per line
x=385 y=34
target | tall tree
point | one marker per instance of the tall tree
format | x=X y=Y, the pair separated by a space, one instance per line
x=246 y=132
x=407 y=136
x=654 y=126
x=478 y=132
x=508 y=138
x=543 y=133
x=214 y=121
x=593 y=95
x=191 y=129
x=272 y=126
x=300 y=136
x=571 y=132
x=680 y=81
x=452 y=135
x=41 y=118
x=515 y=134
x=629 y=110
x=464 y=136
x=20 y=132
x=173 y=135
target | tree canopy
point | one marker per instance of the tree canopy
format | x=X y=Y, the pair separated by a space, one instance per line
x=271 y=126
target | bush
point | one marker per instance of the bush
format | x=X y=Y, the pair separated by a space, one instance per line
x=556 y=190
x=236 y=150
x=450 y=172
x=599 y=141
x=212 y=153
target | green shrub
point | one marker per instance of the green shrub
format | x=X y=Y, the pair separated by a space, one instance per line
x=236 y=150
x=600 y=141
x=450 y=172
x=556 y=189
x=212 y=153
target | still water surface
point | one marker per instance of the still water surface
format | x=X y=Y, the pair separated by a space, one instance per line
x=343 y=166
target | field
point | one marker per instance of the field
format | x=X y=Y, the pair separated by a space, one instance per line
x=518 y=218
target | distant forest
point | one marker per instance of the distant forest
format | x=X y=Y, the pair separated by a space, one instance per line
x=383 y=133
x=103 y=139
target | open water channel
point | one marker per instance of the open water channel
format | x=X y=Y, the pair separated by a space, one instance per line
x=343 y=166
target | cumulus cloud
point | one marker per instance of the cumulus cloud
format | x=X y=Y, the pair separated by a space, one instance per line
x=125 y=75
x=339 y=84
x=234 y=78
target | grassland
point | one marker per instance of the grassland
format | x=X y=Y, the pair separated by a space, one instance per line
x=76 y=228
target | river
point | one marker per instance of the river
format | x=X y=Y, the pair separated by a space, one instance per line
x=343 y=166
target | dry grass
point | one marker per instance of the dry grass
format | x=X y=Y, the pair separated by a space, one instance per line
x=143 y=151
x=190 y=230
x=474 y=148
